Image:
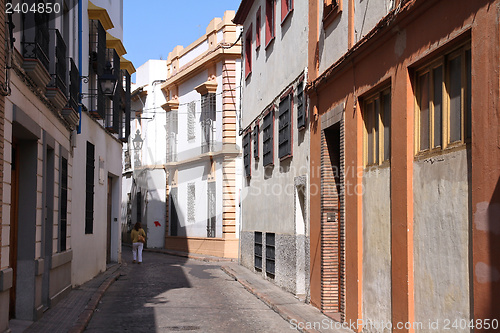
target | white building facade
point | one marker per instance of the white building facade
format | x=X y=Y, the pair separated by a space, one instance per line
x=203 y=147
x=274 y=123
x=62 y=158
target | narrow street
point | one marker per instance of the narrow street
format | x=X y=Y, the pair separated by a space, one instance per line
x=171 y=294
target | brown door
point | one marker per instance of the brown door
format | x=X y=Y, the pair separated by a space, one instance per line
x=108 y=232
x=13 y=226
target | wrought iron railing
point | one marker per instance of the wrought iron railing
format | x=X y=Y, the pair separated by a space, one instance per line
x=74 y=85
x=35 y=40
x=97 y=50
x=208 y=117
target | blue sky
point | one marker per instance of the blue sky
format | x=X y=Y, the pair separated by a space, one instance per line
x=152 y=28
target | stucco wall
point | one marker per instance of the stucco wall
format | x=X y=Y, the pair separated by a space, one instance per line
x=441 y=238
x=377 y=247
x=89 y=250
x=155 y=208
x=274 y=67
x=367 y=14
x=332 y=42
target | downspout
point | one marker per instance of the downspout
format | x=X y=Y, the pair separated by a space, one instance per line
x=80 y=55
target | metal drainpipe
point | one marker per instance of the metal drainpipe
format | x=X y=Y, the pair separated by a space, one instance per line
x=80 y=55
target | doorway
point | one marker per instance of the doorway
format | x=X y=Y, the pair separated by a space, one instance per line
x=331 y=221
x=14 y=194
x=109 y=220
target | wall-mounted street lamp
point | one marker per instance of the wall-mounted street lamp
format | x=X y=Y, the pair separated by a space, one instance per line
x=107 y=82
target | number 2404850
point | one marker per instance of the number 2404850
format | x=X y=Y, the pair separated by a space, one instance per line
x=36 y=8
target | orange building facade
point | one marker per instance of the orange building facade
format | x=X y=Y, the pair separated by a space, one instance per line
x=404 y=126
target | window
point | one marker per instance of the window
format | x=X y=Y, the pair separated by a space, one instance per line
x=301 y=107
x=255 y=135
x=191 y=120
x=211 y=198
x=443 y=108
x=208 y=117
x=248 y=52
x=331 y=9
x=258 y=250
x=270 y=254
x=246 y=153
x=191 y=198
x=138 y=205
x=268 y=138
x=257 y=29
x=63 y=218
x=377 y=119
x=286 y=8
x=270 y=13
x=89 y=189
x=285 y=128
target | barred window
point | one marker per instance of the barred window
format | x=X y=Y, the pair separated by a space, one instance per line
x=246 y=154
x=285 y=128
x=255 y=135
x=191 y=198
x=89 y=189
x=191 y=120
x=268 y=138
x=301 y=107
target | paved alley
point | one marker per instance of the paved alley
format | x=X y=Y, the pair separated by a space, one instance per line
x=171 y=294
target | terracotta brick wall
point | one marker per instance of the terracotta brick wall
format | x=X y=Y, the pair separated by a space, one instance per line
x=2 y=115
x=330 y=267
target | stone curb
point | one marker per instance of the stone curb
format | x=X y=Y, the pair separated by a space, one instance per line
x=279 y=309
x=86 y=315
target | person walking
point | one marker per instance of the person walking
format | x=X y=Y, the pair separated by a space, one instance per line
x=138 y=236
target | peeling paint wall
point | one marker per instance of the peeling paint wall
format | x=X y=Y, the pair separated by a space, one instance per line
x=377 y=248
x=441 y=239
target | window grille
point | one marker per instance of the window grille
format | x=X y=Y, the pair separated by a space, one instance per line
x=246 y=154
x=255 y=136
x=208 y=117
x=301 y=109
x=285 y=130
x=191 y=120
x=191 y=197
x=270 y=254
x=211 y=220
x=63 y=218
x=258 y=250
x=268 y=138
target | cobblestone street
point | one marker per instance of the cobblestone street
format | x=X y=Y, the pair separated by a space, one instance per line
x=171 y=294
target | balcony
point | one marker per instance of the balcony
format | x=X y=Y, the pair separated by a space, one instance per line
x=57 y=88
x=97 y=55
x=35 y=48
x=70 y=111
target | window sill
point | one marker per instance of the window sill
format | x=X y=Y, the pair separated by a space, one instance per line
x=286 y=16
x=270 y=42
x=383 y=165
x=282 y=159
x=422 y=155
x=331 y=16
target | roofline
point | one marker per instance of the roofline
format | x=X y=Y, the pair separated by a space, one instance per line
x=243 y=10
